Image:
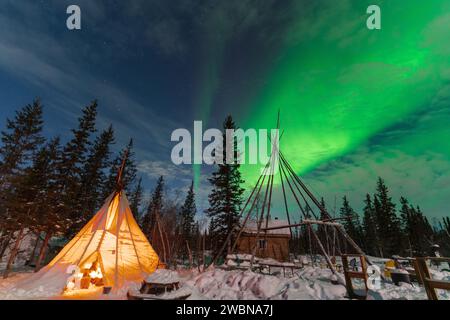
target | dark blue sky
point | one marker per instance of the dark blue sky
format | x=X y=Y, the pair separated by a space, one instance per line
x=152 y=65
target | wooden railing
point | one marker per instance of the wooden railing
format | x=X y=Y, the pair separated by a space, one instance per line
x=424 y=276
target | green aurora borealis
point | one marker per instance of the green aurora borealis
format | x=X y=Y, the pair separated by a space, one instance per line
x=342 y=87
x=355 y=103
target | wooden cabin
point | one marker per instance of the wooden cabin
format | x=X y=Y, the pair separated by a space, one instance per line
x=274 y=245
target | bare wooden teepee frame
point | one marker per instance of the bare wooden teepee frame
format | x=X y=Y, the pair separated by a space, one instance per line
x=304 y=198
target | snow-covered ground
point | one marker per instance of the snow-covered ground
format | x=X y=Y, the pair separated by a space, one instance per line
x=309 y=283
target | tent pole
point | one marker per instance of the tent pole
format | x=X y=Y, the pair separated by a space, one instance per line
x=327 y=258
x=134 y=244
x=119 y=185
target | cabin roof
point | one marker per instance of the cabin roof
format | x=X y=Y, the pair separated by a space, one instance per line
x=252 y=227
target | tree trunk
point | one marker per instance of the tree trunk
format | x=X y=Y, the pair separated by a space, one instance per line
x=13 y=253
x=43 y=251
x=203 y=251
x=190 y=254
x=162 y=239
x=31 y=258
x=4 y=244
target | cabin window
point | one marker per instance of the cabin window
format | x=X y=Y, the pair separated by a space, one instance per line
x=262 y=244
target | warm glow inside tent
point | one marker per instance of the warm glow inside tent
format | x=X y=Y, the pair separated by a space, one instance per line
x=112 y=240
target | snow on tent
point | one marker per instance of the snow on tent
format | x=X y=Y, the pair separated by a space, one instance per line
x=111 y=251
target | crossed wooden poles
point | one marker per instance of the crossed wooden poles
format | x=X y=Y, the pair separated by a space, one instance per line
x=291 y=182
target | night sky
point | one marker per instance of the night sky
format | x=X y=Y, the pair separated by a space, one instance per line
x=355 y=103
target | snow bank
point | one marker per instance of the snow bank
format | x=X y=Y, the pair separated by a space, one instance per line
x=309 y=283
x=246 y=285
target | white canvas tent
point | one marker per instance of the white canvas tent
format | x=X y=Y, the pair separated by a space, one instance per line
x=113 y=239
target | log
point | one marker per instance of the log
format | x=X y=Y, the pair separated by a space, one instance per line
x=327 y=258
x=305 y=222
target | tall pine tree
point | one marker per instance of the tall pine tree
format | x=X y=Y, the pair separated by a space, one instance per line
x=417 y=231
x=371 y=241
x=388 y=224
x=128 y=175
x=136 y=200
x=20 y=144
x=71 y=167
x=351 y=221
x=93 y=174
x=154 y=210
x=187 y=216
x=225 y=198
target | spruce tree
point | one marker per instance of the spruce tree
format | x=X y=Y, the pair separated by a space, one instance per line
x=446 y=226
x=71 y=167
x=20 y=143
x=418 y=232
x=187 y=216
x=371 y=240
x=129 y=174
x=48 y=219
x=426 y=230
x=225 y=198
x=351 y=221
x=407 y=219
x=389 y=227
x=154 y=209
x=20 y=140
x=93 y=175
x=38 y=191
x=136 y=200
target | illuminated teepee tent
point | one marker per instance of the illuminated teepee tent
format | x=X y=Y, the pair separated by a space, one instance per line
x=113 y=241
x=111 y=248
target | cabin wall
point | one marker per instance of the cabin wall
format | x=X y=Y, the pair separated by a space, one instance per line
x=277 y=246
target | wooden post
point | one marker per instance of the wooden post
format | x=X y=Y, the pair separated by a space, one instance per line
x=119 y=185
x=424 y=277
x=327 y=258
